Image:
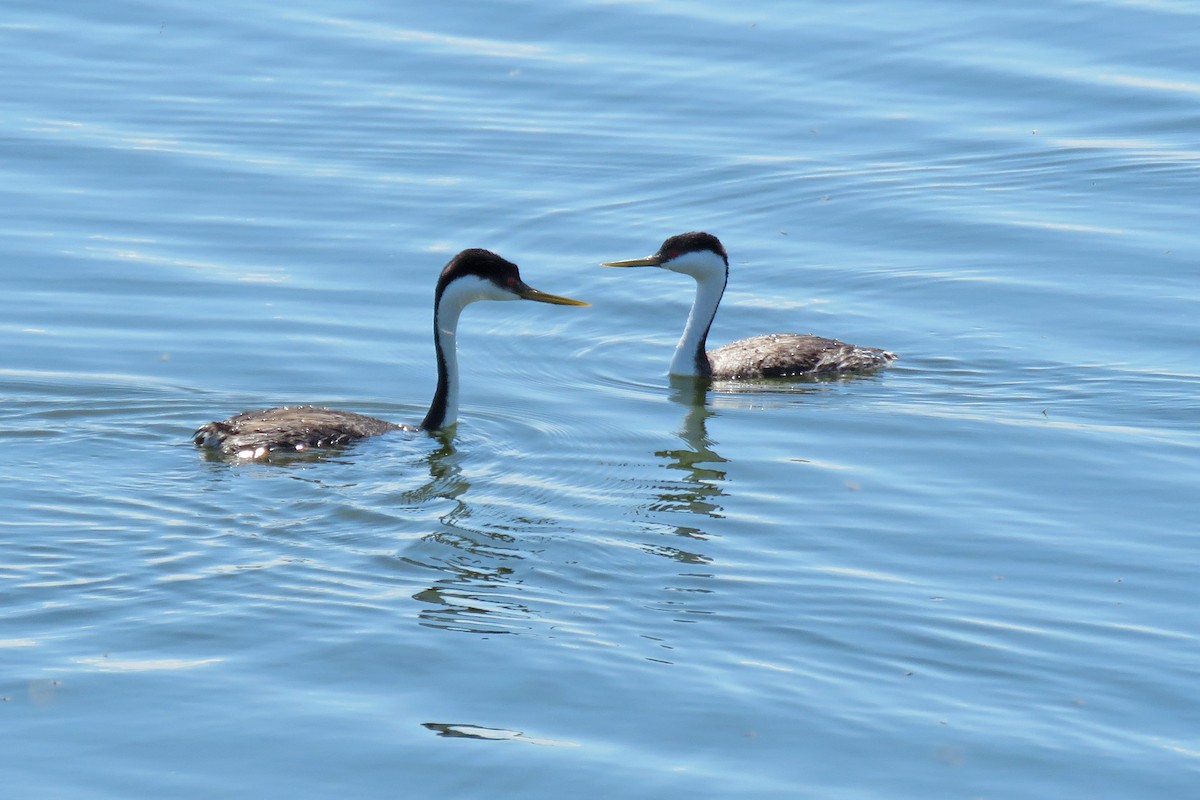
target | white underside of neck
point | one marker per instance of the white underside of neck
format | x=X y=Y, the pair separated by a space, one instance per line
x=457 y=296
x=704 y=308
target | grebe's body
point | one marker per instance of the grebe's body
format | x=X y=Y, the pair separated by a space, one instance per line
x=254 y=434
x=470 y=276
x=783 y=355
x=774 y=355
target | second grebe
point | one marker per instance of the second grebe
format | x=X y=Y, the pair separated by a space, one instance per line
x=774 y=355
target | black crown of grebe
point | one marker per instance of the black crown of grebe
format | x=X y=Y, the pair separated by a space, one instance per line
x=773 y=355
x=470 y=276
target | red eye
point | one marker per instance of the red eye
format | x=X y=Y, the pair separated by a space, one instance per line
x=672 y=255
x=510 y=282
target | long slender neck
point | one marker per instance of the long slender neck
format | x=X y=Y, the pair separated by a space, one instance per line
x=690 y=357
x=443 y=411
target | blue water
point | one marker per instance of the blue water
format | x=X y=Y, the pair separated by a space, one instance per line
x=969 y=576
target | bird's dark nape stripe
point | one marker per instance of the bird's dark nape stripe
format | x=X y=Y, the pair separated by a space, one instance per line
x=435 y=418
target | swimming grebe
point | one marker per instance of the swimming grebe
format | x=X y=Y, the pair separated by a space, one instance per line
x=773 y=355
x=470 y=276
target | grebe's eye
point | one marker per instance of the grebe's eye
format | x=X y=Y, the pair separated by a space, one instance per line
x=672 y=255
x=510 y=281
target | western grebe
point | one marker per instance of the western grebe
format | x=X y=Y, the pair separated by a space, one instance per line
x=471 y=275
x=774 y=355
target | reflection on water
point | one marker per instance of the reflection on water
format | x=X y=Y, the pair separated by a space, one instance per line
x=487 y=580
x=683 y=513
x=445 y=475
x=699 y=489
x=468 y=731
x=475 y=562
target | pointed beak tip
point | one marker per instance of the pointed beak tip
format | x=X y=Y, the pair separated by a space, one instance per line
x=553 y=299
x=648 y=261
x=567 y=301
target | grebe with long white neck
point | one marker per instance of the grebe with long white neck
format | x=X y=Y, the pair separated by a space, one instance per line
x=773 y=355
x=470 y=276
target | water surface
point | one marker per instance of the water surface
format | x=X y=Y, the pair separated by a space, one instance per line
x=968 y=576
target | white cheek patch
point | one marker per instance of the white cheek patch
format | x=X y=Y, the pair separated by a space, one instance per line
x=460 y=294
x=469 y=289
x=700 y=264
